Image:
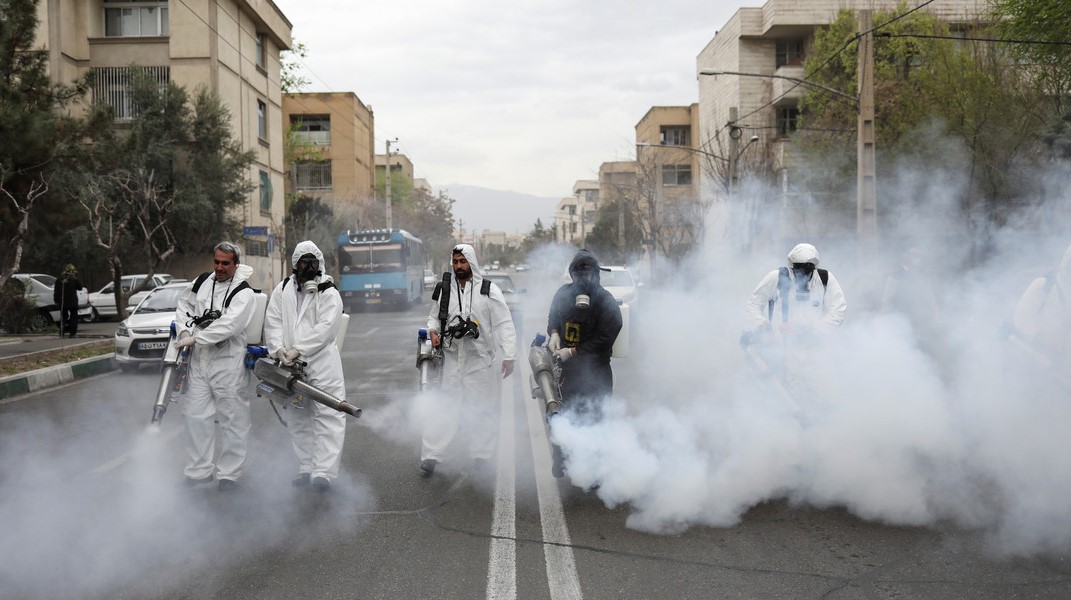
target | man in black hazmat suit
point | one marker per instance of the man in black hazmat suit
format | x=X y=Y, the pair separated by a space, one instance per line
x=583 y=325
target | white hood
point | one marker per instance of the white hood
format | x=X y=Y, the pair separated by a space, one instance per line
x=303 y=248
x=803 y=253
x=470 y=255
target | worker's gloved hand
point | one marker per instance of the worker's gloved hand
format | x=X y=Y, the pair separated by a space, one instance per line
x=555 y=343
x=291 y=356
x=565 y=354
x=185 y=340
x=281 y=356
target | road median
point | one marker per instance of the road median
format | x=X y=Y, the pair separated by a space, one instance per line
x=30 y=372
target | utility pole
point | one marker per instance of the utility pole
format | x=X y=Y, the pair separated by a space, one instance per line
x=866 y=192
x=386 y=185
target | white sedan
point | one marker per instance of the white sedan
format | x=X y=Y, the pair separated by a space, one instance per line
x=38 y=288
x=142 y=338
x=103 y=300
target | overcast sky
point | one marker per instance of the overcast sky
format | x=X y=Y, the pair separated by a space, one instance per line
x=526 y=96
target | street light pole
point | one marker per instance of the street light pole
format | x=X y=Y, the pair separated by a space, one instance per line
x=386 y=184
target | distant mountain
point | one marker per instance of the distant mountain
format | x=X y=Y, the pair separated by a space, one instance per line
x=480 y=208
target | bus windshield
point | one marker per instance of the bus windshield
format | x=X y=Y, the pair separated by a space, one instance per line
x=371 y=258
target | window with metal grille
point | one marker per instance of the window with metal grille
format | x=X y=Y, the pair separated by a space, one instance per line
x=135 y=18
x=312 y=130
x=313 y=175
x=111 y=85
x=256 y=248
x=676 y=175
x=675 y=136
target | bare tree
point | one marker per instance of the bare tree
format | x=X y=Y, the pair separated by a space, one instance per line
x=23 y=207
x=125 y=202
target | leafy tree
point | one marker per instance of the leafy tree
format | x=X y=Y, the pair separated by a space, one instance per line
x=940 y=105
x=1048 y=23
x=608 y=240
x=166 y=182
x=36 y=135
x=431 y=218
x=538 y=236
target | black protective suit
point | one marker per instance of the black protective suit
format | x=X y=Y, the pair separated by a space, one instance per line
x=587 y=377
x=65 y=295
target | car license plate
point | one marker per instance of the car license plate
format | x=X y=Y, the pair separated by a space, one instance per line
x=374 y=301
x=152 y=345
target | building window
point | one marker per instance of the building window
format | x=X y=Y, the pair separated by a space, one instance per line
x=111 y=85
x=312 y=175
x=265 y=192
x=262 y=120
x=789 y=53
x=256 y=248
x=676 y=175
x=262 y=50
x=787 y=119
x=132 y=18
x=310 y=130
x=675 y=136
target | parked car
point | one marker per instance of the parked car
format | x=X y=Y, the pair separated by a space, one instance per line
x=620 y=282
x=513 y=297
x=39 y=286
x=103 y=300
x=142 y=337
x=430 y=278
x=521 y=267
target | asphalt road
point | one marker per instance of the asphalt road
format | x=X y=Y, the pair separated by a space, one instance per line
x=93 y=507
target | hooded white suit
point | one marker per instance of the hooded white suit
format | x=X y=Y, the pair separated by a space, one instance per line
x=805 y=310
x=1043 y=315
x=309 y=323
x=216 y=375
x=471 y=384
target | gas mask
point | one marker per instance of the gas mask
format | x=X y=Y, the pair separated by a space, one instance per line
x=307 y=270
x=583 y=301
x=802 y=273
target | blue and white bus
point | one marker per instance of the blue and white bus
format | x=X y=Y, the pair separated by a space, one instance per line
x=380 y=266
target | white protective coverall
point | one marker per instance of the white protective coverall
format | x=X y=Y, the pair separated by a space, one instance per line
x=1043 y=315
x=216 y=376
x=471 y=388
x=309 y=323
x=812 y=309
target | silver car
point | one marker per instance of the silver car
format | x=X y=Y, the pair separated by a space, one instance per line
x=142 y=338
x=103 y=300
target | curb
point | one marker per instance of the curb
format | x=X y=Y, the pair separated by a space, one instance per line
x=33 y=381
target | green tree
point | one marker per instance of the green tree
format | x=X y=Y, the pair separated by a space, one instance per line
x=538 y=236
x=167 y=181
x=941 y=106
x=36 y=134
x=1047 y=23
x=608 y=240
x=431 y=218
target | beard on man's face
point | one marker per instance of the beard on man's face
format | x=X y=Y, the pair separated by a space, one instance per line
x=463 y=273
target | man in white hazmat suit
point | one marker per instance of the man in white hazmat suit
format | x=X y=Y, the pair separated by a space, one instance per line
x=210 y=321
x=804 y=301
x=1043 y=320
x=302 y=320
x=476 y=332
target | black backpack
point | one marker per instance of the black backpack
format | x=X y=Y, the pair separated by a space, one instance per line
x=784 y=287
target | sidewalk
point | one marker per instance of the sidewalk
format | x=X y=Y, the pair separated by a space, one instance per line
x=14 y=347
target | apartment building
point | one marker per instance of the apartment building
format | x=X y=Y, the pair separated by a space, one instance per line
x=665 y=147
x=574 y=216
x=766 y=47
x=229 y=46
x=333 y=136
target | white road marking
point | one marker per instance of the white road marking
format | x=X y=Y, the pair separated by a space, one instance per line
x=502 y=562
x=557 y=546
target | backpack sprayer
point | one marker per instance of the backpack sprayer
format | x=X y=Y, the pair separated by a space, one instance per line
x=546 y=375
x=286 y=382
x=429 y=361
x=173 y=374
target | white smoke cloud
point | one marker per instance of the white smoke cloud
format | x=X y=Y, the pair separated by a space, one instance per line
x=907 y=417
